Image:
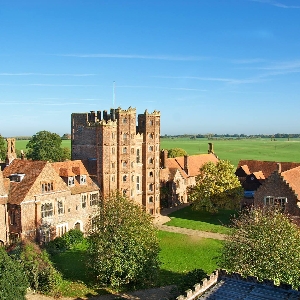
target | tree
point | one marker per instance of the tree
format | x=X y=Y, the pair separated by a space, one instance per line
x=13 y=283
x=123 y=247
x=216 y=187
x=265 y=244
x=45 y=145
x=176 y=152
x=2 y=148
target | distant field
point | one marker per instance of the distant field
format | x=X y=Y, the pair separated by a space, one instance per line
x=235 y=150
x=232 y=150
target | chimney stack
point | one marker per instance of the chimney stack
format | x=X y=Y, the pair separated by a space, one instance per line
x=186 y=165
x=279 y=167
x=210 y=148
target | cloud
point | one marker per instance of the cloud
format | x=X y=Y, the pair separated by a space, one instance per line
x=248 y=61
x=160 y=87
x=44 y=74
x=277 y=4
x=218 y=79
x=136 y=56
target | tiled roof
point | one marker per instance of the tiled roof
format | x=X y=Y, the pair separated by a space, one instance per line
x=259 y=175
x=31 y=169
x=70 y=168
x=292 y=177
x=195 y=162
x=74 y=168
x=267 y=167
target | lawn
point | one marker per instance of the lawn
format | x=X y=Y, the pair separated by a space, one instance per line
x=182 y=253
x=202 y=220
x=232 y=150
x=179 y=254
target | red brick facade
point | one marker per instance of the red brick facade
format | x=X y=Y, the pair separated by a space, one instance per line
x=125 y=151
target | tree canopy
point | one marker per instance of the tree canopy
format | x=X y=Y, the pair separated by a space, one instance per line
x=123 y=247
x=216 y=187
x=176 y=152
x=265 y=244
x=2 y=148
x=45 y=145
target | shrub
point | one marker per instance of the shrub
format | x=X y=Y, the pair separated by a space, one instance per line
x=73 y=237
x=13 y=283
x=57 y=245
x=41 y=274
x=190 y=279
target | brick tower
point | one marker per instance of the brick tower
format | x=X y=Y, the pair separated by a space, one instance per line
x=122 y=155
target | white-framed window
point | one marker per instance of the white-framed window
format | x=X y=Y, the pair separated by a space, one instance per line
x=47 y=187
x=137 y=183
x=151 y=187
x=125 y=178
x=125 y=150
x=93 y=199
x=150 y=160
x=125 y=136
x=82 y=179
x=138 y=157
x=124 y=164
x=125 y=121
x=151 y=173
x=113 y=178
x=271 y=200
x=71 y=181
x=47 y=210
x=45 y=235
x=150 y=199
x=150 y=148
x=60 y=206
x=83 y=200
x=61 y=229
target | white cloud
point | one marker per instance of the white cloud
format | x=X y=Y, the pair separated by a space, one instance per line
x=277 y=4
x=136 y=56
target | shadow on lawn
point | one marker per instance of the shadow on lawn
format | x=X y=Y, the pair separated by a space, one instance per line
x=223 y=217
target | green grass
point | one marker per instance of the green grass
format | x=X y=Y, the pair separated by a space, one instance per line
x=202 y=220
x=77 y=282
x=232 y=150
x=182 y=253
x=179 y=254
x=235 y=150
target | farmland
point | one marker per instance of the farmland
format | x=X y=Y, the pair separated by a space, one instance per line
x=229 y=149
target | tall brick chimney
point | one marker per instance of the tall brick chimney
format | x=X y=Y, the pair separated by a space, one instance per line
x=210 y=148
x=186 y=164
x=163 y=158
x=279 y=167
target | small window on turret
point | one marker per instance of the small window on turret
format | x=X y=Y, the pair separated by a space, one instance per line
x=125 y=121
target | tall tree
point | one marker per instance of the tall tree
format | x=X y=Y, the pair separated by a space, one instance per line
x=265 y=244
x=2 y=148
x=123 y=247
x=176 y=152
x=216 y=187
x=45 y=145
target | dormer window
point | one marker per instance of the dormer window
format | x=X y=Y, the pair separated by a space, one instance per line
x=82 y=179
x=71 y=181
x=18 y=177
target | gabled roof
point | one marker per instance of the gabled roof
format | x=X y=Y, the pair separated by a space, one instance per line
x=31 y=169
x=195 y=162
x=73 y=168
x=292 y=178
x=259 y=175
x=267 y=167
x=70 y=168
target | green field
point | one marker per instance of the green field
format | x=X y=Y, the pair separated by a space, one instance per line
x=232 y=150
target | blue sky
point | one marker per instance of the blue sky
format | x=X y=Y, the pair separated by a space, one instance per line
x=209 y=66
